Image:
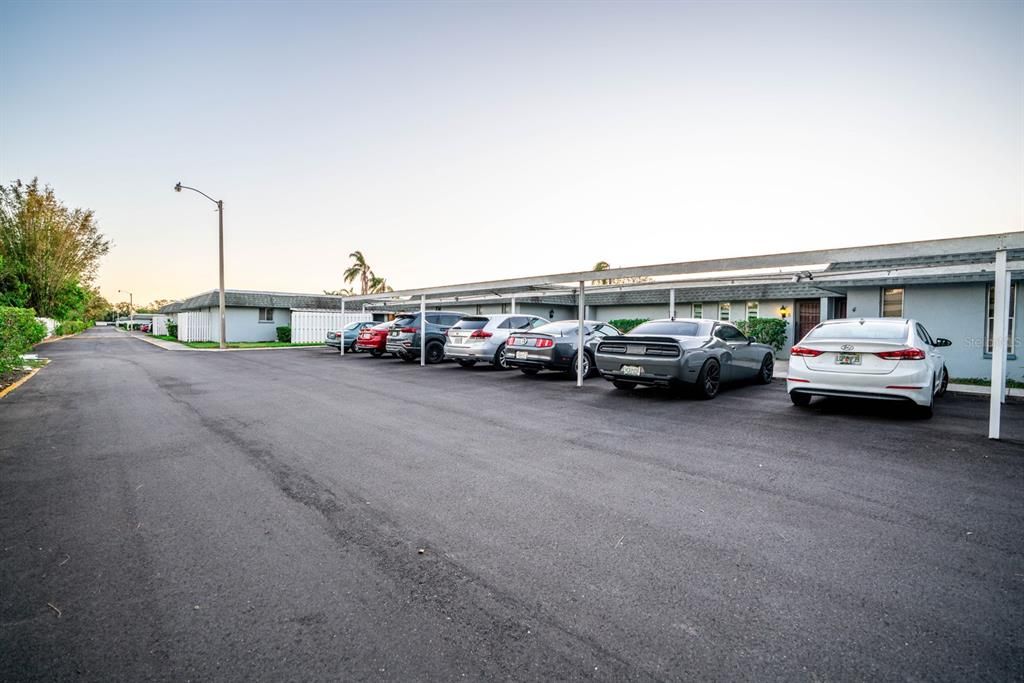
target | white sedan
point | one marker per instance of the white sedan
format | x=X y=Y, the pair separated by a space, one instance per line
x=881 y=358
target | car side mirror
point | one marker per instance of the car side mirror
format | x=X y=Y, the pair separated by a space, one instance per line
x=943 y=342
x=751 y=340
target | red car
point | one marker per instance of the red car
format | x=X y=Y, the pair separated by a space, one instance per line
x=373 y=339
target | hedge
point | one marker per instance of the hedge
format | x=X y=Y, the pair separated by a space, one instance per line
x=284 y=334
x=765 y=330
x=70 y=327
x=624 y=325
x=172 y=329
x=19 y=332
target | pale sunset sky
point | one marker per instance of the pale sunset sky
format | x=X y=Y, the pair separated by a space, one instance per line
x=460 y=141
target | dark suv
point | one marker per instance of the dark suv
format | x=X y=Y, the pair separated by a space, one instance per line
x=404 y=338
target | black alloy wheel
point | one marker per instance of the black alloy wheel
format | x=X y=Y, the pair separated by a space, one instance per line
x=435 y=353
x=764 y=376
x=709 y=380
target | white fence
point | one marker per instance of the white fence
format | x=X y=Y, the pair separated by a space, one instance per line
x=159 y=324
x=197 y=326
x=312 y=326
x=51 y=325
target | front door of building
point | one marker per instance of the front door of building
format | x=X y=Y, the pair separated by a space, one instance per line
x=808 y=314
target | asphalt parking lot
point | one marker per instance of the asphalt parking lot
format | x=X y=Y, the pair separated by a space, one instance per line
x=260 y=515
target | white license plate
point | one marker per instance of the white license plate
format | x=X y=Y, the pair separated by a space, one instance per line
x=848 y=359
x=522 y=354
x=634 y=370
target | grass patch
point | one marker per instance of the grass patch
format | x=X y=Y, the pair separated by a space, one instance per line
x=164 y=337
x=247 y=345
x=985 y=382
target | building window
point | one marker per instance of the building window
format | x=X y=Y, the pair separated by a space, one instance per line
x=892 y=302
x=698 y=310
x=266 y=315
x=723 y=310
x=753 y=309
x=990 y=318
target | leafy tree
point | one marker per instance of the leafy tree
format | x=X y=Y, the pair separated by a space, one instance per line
x=19 y=331
x=601 y=265
x=154 y=306
x=339 y=292
x=97 y=308
x=634 y=280
x=49 y=252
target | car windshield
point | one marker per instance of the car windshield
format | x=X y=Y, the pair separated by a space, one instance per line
x=471 y=324
x=875 y=329
x=562 y=327
x=674 y=328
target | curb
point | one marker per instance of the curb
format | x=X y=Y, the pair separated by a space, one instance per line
x=21 y=381
x=185 y=347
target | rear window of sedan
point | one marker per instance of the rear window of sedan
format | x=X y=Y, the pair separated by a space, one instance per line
x=673 y=328
x=559 y=328
x=860 y=330
x=405 y=320
x=471 y=324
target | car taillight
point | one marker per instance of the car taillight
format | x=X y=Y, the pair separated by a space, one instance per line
x=480 y=334
x=804 y=351
x=512 y=341
x=902 y=354
x=545 y=343
x=409 y=330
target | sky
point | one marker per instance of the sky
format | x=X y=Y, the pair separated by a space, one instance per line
x=458 y=142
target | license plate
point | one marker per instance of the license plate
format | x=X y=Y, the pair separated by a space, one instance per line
x=634 y=370
x=522 y=354
x=848 y=359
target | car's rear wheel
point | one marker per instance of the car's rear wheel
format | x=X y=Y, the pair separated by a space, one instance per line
x=407 y=358
x=764 y=376
x=500 y=359
x=623 y=385
x=529 y=371
x=467 y=363
x=352 y=348
x=435 y=353
x=944 y=382
x=376 y=353
x=798 y=399
x=709 y=380
x=588 y=365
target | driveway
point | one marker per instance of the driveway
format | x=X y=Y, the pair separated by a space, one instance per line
x=261 y=515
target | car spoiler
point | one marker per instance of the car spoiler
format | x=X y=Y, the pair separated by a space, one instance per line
x=633 y=339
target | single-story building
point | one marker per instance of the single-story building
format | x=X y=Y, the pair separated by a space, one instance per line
x=252 y=315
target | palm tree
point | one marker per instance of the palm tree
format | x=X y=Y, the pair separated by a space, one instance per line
x=379 y=285
x=601 y=265
x=359 y=269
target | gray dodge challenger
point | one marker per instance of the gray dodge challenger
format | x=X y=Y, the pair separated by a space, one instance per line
x=684 y=352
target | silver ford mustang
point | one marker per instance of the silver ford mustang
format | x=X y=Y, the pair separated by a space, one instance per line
x=691 y=353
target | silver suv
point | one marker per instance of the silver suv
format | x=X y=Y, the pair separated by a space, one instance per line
x=481 y=338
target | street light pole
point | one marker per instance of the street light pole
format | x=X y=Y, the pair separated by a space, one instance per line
x=220 y=237
x=131 y=308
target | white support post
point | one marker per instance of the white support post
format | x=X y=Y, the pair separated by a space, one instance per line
x=999 y=328
x=423 y=330
x=513 y=304
x=823 y=310
x=579 y=336
x=341 y=342
x=672 y=303
x=1006 y=324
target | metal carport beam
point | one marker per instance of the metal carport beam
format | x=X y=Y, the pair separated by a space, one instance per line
x=580 y=346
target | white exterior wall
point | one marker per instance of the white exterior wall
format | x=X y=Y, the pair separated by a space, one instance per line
x=198 y=325
x=159 y=324
x=312 y=326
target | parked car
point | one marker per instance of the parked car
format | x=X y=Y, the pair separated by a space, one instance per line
x=374 y=339
x=880 y=358
x=553 y=346
x=350 y=333
x=482 y=338
x=144 y=328
x=684 y=353
x=404 y=336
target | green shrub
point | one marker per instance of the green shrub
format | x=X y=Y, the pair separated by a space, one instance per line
x=766 y=330
x=172 y=329
x=284 y=334
x=624 y=325
x=19 y=332
x=70 y=327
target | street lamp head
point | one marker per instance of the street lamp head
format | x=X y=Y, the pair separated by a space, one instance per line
x=177 y=188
